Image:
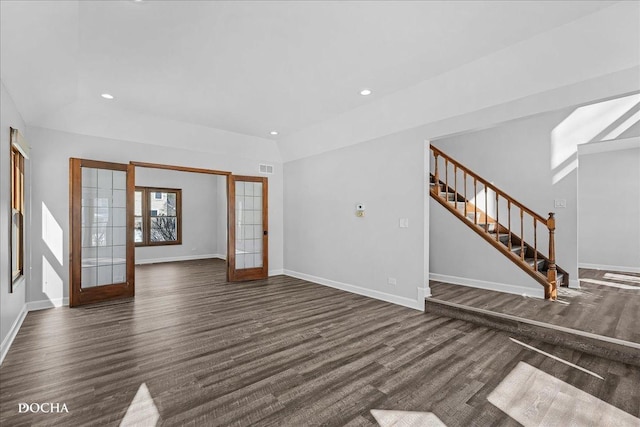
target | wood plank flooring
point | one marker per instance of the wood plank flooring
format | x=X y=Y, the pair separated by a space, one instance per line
x=608 y=304
x=194 y=350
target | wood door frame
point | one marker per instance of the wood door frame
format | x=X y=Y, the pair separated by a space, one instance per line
x=249 y=273
x=77 y=295
x=179 y=168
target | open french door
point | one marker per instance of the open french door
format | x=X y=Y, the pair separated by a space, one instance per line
x=248 y=241
x=101 y=223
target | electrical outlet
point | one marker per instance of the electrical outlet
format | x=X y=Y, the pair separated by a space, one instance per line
x=392 y=281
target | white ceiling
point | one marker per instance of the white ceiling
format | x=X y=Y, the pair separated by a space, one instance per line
x=249 y=67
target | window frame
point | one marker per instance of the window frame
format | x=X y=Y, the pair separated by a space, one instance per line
x=17 y=206
x=147 y=193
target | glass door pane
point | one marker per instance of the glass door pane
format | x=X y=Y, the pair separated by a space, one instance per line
x=249 y=241
x=104 y=227
x=101 y=206
x=248 y=224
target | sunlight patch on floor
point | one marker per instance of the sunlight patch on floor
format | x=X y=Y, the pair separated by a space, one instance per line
x=622 y=277
x=570 y=293
x=406 y=419
x=530 y=347
x=611 y=284
x=534 y=398
x=142 y=412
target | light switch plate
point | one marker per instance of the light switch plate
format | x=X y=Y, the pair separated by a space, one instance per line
x=404 y=222
x=560 y=203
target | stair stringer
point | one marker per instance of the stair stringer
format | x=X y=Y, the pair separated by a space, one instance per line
x=459 y=255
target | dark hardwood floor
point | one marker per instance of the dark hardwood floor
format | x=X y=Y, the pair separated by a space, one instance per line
x=608 y=303
x=192 y=349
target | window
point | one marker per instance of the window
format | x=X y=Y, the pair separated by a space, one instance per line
x=158 y=215
x=17 y=214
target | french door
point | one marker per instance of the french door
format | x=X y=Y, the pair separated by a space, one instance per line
x=248 y=240
x=101 y=224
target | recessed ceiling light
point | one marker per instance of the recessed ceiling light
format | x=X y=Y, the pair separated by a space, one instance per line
x=274 y=132
x=365 y=92
x=107 y=96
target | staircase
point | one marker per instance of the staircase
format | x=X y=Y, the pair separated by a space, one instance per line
x=506 y=224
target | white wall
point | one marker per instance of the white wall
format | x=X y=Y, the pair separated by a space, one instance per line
x=51 y=151
x=11 y=304
x=609 y=206
x=221 y=194
x=595 y=56
x=327 y=243
x=202 y=212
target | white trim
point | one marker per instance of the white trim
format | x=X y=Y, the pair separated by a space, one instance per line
x=394 y=299
x=426 y=202
x=47 y=303
x=492 y=286
x=427 y=292
x=18 y=141
x=178 y=258
x=610 y=145
x=610 y=267
x=277 y=272
x=574 y=283
x=424 y=293
x=13 y=331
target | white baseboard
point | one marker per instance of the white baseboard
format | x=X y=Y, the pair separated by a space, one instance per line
x=423 y=293
x=574 y=283
x=47 y=303
x=276 y=272
x=417 y=304
x=178 y=258
x=13 y=331
x=492 y=286
x=426 y=291
x=612 y=268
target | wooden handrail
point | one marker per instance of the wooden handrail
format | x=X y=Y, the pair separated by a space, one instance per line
x=487 y=184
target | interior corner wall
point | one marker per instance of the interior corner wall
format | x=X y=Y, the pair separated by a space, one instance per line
x=325 y=242
x=516 y=157
x=202 y=210
x=609 y=210
x=50 y=155
x=12 y=305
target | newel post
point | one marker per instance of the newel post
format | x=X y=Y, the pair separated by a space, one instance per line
x=552 y=273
